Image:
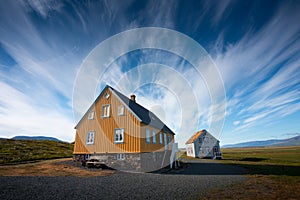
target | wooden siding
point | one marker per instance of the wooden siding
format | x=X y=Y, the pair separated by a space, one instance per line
x=151 y=147
x=104 y=128
x=79 y=146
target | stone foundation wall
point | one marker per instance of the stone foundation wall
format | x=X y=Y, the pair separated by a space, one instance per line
x=153 y=161
x=140 y=162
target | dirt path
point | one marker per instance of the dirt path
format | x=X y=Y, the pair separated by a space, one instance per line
x=57 y=167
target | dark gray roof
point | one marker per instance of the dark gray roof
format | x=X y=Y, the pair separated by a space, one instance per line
x=147 y=117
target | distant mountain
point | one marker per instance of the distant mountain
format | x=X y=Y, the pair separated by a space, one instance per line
x=35 y=138
x=294 y=141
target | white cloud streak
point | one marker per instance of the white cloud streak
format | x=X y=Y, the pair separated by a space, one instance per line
x=261 y=71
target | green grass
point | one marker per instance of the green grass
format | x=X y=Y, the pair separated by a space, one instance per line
x=271 y=155
x=22 y=151
x=273 y=173
x=266 y=161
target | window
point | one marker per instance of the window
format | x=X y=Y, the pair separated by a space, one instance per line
x=105 y=110
x=215 y=149
x=165 y=139
x=120 y=156
x=160 y=138
x=119 y=135
x=91 y=115
x=90 y=137
x=154 y=137
x=87 y=157
x=121 y=110
x=147 y=135
x=169 y=139
x=106 y=96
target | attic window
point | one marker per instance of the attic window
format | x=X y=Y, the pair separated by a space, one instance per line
x=91 y=115
x=106 y=96
x=121 y=110
x=105 y=110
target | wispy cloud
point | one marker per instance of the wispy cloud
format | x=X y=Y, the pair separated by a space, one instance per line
x=47 y=41
x=261 y=71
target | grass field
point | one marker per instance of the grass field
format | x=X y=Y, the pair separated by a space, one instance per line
x=273 y=173
x=23 y=151
x=266 y=161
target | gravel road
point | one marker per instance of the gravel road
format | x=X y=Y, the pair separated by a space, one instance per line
x=190 y=182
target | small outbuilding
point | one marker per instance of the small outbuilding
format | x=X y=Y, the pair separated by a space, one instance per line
x=203 y=145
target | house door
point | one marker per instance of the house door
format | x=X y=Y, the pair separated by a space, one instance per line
x=215 y=149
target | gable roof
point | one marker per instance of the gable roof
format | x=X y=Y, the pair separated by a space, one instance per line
x=144 y=115
x=196 y=136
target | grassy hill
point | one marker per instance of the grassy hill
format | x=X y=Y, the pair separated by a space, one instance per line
x=21 y=151
x=294 y=141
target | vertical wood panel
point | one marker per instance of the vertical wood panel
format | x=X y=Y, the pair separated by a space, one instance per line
x=134 y=131
x=79 y=147
x=104 y=128
x=151 y=147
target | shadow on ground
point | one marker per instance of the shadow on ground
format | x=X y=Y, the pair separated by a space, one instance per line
x=203 y=168
x=214 y=168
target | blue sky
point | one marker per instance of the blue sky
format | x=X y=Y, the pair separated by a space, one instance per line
x=255 y=46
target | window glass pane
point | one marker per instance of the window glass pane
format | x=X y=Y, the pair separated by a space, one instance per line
x=160 y=138
x=91 y=115
x=90 y=137
x=105 y=110
x=154 y=137
x=119 y=135
x=147 y=135
x=121 y=110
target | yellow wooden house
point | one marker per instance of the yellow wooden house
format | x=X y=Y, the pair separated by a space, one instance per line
x=122 y=134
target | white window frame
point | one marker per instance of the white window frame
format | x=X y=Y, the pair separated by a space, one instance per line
x=148 y=136
x=107 y=95
x=90 y=137
x=165 y=140
x=91 y=115
x=87 y=156
x=117 y=138
x=160 y=138
x=154 y=137
x=120 y=156
x=121 y=110
x=107 y=113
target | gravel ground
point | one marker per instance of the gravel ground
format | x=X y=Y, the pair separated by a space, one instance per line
x=190 y=182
